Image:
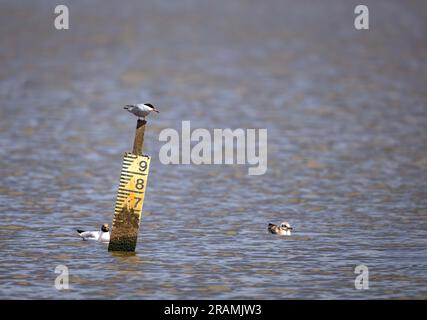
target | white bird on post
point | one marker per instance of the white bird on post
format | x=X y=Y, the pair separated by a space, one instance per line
x=141 y=110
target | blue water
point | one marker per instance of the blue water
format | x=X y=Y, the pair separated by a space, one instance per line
x=347 y=148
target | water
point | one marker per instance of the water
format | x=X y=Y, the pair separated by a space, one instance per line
x=346 y=117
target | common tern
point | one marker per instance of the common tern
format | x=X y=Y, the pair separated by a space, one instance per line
x=141 y=110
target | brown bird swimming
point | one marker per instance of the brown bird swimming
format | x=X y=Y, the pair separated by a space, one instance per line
x=283 y=230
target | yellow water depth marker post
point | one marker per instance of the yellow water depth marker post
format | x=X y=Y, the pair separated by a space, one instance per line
x=130 y=196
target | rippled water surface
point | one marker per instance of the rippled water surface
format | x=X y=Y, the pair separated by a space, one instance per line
x=347 y=148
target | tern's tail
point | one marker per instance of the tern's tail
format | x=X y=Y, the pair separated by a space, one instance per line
x=128 y=106
x=80 y=231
